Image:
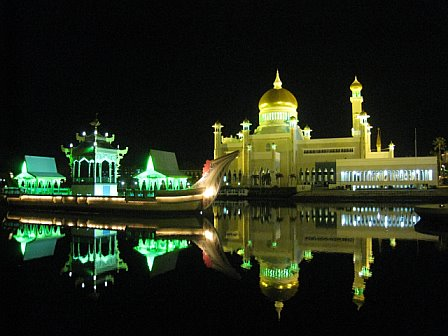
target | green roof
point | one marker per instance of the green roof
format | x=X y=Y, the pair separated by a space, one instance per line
x=42 y=166
x=165 y=163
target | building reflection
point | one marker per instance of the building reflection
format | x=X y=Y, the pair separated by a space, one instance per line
x=94 y=258
x=36 y=241
x=94 y=255
x=280 y=238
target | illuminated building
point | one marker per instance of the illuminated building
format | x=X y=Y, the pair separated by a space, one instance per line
x=39 y=175
x=94 y=163
x=162 y=172
x=281 y=239
x=280 y=152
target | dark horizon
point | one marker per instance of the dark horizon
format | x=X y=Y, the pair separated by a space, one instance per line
x=160 y=75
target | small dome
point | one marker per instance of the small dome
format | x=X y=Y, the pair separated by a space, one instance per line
x=356 y=86
x=277 y=97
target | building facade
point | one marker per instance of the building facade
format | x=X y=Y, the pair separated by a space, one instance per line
x=281 y=153
x=94 y=163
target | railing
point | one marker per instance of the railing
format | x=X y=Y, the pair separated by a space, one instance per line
x=36 y=191
x=131 y=194
x=90 y=180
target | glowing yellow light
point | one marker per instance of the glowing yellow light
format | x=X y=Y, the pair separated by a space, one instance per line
x=208 y=235
x=209 y=192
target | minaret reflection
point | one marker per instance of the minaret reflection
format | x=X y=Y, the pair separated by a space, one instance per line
x=280 y=238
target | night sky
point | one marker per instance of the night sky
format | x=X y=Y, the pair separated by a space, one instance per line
x=160 y=73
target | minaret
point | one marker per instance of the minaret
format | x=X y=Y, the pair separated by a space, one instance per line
x=217 y=147
x=391 y=149
x=273 y=162
x=364 y=133
x=307 y=132
x=356 y=100
x=378 y=140
x=293 y=129
x=245 y=151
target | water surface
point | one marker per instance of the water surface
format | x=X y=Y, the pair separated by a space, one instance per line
x=240 y=268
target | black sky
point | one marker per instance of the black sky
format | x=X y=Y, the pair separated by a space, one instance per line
x=160 y=73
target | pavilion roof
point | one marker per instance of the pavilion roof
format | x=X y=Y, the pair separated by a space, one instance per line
x=162 y=164
x=41 y=166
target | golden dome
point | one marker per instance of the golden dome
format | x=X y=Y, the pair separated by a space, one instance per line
x=277 y=97
x=276 y=294
x=356 y=86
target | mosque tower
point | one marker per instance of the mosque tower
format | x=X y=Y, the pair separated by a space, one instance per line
x=356 y=100
x=246 y=151
x=217 y=139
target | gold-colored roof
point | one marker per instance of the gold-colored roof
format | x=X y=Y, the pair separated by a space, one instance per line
x=277 y=97
x=356 y=86
x=276 y=294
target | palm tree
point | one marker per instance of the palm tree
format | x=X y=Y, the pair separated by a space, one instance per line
x=439 y=145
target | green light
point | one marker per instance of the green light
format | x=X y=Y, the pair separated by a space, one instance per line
x=152 y=248
x=246 y=265
x=150 y=165
x=278 y=273
x=366 y=272
x=358 y=291
x=28 y=233
x=308 y=255
x=24 y=170
x=23 y=248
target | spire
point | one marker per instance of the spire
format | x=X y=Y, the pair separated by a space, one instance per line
x=96 y=122
x=278 y=307
x=378 y=141
x=277 y=82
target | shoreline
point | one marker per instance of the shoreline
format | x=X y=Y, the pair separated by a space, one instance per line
x=439 y=195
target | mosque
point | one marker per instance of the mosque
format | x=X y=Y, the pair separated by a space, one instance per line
x=281 y=153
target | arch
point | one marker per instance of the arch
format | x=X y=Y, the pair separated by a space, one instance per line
x=75 y=171
x=105 y=171
x=83 y=168
x=268 y=147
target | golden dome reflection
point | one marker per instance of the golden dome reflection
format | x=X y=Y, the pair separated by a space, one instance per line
x=277 y=97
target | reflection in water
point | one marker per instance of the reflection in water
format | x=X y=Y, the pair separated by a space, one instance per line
x=37 y=241
x=274 y=243
x=437 y=229
x=94 y=257
x=280 y=238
